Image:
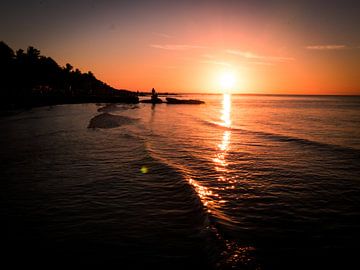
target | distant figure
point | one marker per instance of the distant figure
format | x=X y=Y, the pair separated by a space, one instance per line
x=154 y=96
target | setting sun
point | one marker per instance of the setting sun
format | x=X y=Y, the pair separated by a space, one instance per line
x=227 y=80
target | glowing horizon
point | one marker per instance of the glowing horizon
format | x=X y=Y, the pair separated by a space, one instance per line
x=271 y=48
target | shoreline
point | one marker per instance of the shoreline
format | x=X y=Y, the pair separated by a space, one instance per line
x=9 y=108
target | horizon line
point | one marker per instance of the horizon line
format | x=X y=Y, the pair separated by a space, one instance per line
x=244 y=94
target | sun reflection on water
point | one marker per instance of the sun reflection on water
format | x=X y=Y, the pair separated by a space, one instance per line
x=207 y=197
x=226 y=111
x=214 y=198
x=225 y=141
x=208 y=194
x=220 y=157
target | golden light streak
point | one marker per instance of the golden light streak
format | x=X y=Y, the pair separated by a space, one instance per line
x=226 y=110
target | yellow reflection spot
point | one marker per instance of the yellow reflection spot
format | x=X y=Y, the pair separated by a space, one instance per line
x=144 y=169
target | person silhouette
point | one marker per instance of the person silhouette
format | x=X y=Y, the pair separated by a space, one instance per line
x=153 y=93
x=154 y=96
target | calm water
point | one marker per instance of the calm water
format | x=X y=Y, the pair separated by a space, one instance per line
x=247 y=182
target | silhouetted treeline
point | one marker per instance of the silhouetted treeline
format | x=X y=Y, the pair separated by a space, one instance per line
x=29 y=79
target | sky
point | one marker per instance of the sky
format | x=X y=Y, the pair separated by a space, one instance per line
x=270 y=47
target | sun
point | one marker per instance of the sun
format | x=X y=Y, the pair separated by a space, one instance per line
x=227 y=80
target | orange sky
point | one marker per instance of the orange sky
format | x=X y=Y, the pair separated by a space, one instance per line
x=282 y=47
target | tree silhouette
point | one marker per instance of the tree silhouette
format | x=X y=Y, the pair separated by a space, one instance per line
x=6 y=53
x=7 y=62
x=31 y=79
x=33 y=54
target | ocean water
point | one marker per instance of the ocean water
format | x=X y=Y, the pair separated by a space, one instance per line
x=242 y=181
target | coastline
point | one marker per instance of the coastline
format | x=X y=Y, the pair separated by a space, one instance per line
x=23 y=104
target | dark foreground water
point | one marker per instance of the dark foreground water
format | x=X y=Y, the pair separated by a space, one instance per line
x=247 y=182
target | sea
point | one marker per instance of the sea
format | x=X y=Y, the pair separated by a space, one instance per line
x=240 y=182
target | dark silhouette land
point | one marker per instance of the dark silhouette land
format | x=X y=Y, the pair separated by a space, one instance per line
x=30 y=79
x=183 y=101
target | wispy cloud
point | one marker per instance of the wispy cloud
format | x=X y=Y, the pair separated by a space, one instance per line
x=327 y=47
x=164 y=35
x=263 y=58
x=176 y=47
x=219 y=63
x=262 y=63
x=244 y=54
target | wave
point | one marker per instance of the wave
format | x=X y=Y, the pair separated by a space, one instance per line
x=224 y=252
x=181 y=198
x=286 y=138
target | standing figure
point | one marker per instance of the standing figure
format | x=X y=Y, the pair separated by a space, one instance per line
x=154 y=97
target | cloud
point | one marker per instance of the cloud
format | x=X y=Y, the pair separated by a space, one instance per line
x=263 y=58
x=244 y=54
x=219 y=63
x=327 y=47
x=176 y=47
x=263 y=63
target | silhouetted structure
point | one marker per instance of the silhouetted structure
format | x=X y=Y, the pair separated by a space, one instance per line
x=183 y=101
x=30 y=79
